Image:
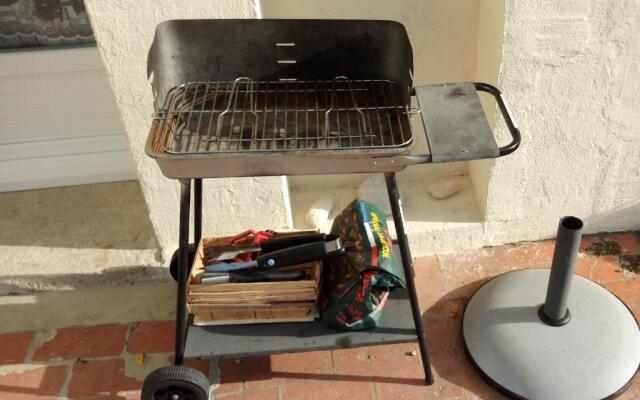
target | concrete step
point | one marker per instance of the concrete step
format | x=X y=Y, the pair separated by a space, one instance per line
x=432 y=226
x=70 y=237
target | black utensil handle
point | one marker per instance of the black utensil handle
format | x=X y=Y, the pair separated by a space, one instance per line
x=263 y=276
x=285 y=241
x=506 y=114
x=293 y=255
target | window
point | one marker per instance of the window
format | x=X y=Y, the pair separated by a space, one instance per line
x=35 y=23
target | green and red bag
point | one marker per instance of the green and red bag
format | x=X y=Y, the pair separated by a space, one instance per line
x=357 y=284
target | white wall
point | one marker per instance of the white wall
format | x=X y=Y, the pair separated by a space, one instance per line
x=571 y=71
x=443 y=36
x=488 y=60
x=59 y=124
x=442 y=33
x=124 y=31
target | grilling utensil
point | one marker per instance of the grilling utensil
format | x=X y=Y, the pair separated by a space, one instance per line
x=307 y=252
x=267 y=246
x=253 y=276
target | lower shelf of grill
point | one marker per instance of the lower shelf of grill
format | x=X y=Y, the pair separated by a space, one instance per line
x=227 y=341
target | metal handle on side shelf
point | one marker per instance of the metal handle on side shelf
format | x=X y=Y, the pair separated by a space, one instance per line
x=506 y=114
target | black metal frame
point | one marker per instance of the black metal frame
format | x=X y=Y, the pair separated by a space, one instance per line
x=183 y=267
x=396 y=208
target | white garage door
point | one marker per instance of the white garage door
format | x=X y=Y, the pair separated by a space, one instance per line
x=59 y=124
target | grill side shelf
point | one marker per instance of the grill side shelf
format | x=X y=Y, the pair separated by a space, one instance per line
x=456 y=125
x=207 y=342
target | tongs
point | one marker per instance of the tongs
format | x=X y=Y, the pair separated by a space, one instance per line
x=312 y=251
x=266 y=246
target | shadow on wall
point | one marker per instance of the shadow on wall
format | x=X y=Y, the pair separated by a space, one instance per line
x=100 y=216
x=114 y=275
x=624 y=217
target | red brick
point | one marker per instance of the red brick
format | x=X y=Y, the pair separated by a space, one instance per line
x=230 y=377
x=628 y=291
x=585 y=265
x=607 y=269
x=485 y=396
x=329 y=390
x=83 y=342
x=31 y=384
x=444 y=309
x=526 y=255
x=628 y=242
x=152 y=337
x=465 y=267
x=101 y=378
x=610 y=244
x=14 y=347
x=430 y=282
x=633 y=392
x=399 y=374
x=201 y=365
x=388 y=361
x=285 y=368
x=447 y=358
x=588 y=241
x=261 y=394
x=135 y=395
x=417 y=391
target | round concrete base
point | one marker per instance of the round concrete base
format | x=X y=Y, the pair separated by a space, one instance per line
x=594 y=356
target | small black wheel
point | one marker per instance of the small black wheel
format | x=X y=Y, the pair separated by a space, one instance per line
x=175 y=382
x=173 y=265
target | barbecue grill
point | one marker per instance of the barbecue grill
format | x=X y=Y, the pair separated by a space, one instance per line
x=288 y=97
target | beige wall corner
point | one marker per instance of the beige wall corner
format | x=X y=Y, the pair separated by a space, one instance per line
x=124 y=31
x=488 y=60
x=570 y=72
x=442 y=52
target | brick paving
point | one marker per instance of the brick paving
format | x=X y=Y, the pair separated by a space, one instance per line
x=110 y=361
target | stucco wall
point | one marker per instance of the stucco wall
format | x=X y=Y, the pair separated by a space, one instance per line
x=124 y=30
x=443 y=36
x=571 y=71
x=488 y=59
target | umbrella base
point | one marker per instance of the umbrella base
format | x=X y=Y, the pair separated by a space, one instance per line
x=594 y=356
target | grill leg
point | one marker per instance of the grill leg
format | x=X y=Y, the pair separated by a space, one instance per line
x=407 y=265
x=183 y=271
x=197 y=211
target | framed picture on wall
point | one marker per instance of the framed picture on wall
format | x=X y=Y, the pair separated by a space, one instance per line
x=43 y=23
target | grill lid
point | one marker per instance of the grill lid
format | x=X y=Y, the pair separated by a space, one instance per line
x=269 y=50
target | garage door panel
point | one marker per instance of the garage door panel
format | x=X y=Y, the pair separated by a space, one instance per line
x=59 y=124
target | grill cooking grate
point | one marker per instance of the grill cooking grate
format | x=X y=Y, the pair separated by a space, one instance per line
x=287 y=115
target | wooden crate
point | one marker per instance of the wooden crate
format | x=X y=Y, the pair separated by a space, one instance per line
x=250 y=303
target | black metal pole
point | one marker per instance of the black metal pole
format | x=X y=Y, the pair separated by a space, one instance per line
x=554 y=311
x=407 y=264
x=197 y=211
x=183 y=271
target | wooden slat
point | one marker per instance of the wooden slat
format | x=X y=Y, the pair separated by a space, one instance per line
x=199 y=308
x=256 y=286
x=255 y=299
x=234 y=303
x=247 y=292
